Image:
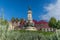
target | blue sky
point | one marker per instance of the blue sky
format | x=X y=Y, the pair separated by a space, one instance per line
x=19 y=8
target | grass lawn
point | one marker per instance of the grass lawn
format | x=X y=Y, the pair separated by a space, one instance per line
x=39 y=32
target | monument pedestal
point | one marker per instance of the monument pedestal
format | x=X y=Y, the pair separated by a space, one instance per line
x=31 y=28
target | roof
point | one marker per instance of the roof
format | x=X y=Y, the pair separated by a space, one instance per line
x=40 y=22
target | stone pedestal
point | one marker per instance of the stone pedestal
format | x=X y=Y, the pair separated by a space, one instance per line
x=31 y=28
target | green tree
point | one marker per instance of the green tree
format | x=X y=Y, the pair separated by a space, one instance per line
x=22 y=20
x=5 y=22
x=13 y=19
x=58 y=24
x=16 y=20
x=52 y=22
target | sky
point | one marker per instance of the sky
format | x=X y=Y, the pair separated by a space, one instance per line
x=53 y=11
x=41 y=9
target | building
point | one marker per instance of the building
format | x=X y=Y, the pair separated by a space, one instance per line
x=31 y=24
x=30 y=15
x=43 y=26
x=30 y=19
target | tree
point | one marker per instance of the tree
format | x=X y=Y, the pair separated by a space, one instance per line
x=5 y=22
x=13 y=19
x=58 y=24
x=52 y=22
x=22 y=21
x=16 y=20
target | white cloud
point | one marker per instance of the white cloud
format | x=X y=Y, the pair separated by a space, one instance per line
x=53 y=11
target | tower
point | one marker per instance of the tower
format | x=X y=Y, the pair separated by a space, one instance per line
x=30 y=15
